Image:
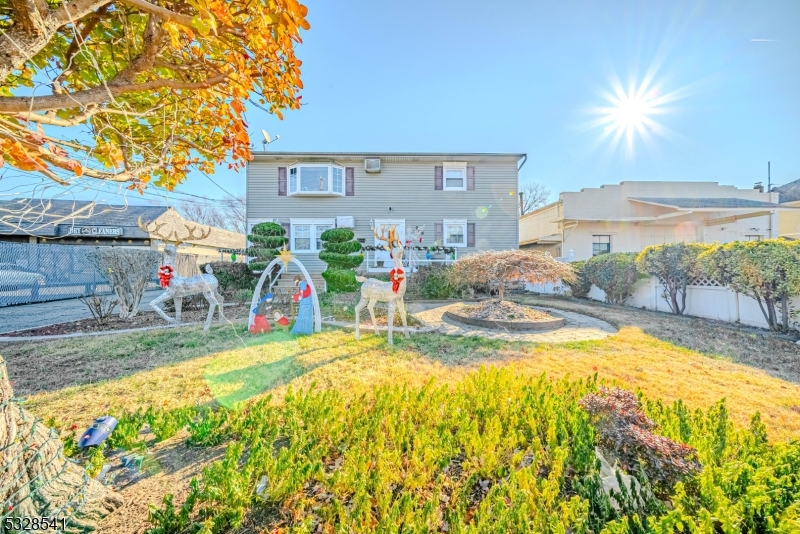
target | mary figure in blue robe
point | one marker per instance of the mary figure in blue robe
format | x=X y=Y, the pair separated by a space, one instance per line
x=305 y=312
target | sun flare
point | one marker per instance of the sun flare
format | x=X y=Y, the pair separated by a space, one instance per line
x=628 y=113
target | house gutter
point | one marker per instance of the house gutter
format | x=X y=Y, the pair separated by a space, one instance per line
x=524 y=159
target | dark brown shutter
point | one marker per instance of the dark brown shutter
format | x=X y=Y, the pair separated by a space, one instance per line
x=281 y=181
x=438 y=183
x=288 y=229
x=470 y=178
x=470 y=234
x=438 y=231
x=349 y=181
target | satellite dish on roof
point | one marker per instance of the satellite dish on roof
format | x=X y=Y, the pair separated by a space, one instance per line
x=267 y=139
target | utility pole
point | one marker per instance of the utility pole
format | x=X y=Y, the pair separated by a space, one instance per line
x=769 y=190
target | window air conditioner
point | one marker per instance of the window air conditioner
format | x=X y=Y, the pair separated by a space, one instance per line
x=345 y=222
x=372 y=165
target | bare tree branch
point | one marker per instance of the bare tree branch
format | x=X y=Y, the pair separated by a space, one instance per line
x=95 y=95
x=534 y=196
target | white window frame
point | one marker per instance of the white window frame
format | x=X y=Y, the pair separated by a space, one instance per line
x=454 y=222
x=454 y=166
x=313 y=223
x=330 y=192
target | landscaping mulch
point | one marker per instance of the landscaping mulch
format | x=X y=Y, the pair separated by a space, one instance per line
x=141 y=320
x=492 y=310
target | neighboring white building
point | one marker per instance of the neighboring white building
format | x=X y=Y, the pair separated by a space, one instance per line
x=633 y=215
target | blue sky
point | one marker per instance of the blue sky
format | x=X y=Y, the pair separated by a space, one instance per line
x=521 y=76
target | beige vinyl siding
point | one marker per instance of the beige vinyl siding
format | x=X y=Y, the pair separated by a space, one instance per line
x=408 y=188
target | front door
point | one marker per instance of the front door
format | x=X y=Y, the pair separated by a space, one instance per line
x=383 y=255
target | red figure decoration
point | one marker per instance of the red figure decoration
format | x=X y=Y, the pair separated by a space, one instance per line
x=396 y=276
x=299 y=295
x=165 y=273
x=260 y=325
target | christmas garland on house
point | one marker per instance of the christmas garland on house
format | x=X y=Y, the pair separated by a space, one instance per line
x=433 y=249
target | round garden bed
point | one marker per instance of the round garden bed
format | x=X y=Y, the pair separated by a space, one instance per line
x=505 y=315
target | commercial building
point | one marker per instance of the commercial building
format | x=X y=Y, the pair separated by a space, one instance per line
x=632 y=215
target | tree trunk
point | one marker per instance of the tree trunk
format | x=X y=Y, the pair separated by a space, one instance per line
x=683 y=298
x=785 y=311
x=772 y=319
x=673 y=295
x=36 y=479
x=501 y=292
x=763 y=310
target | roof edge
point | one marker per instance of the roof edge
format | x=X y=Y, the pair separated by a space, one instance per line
x=263 y=153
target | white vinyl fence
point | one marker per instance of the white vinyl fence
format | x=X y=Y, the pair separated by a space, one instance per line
x=704 y=298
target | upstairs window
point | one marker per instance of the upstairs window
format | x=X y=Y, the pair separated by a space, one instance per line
x=455 y=176
x=601 y=245
x=315 y=179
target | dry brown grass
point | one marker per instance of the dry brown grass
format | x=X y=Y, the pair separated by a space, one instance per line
x=778 y=356
x=74 y=381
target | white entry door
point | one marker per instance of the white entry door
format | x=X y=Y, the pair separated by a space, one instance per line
x=400 y=225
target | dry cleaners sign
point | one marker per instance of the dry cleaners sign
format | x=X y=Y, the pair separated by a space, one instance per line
x=94 y=230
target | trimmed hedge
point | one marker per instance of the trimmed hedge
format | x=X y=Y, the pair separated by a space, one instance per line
x=582 y=285
x=674 y=264
x=435 y=281
x=614 y=273
x=340 y=275
x=232 y=277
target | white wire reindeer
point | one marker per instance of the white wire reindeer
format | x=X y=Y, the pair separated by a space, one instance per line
x=175 y=286
x=392 y=292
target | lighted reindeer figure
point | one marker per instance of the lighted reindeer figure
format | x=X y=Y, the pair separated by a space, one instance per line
x=175 y=286
x=392 y=292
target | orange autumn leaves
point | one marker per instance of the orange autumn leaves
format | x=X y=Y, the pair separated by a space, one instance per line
x=208 y=62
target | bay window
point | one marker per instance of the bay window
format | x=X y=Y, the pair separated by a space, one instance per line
x=316 y=179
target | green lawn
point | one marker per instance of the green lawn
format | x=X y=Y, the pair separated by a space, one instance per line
x=75 y=380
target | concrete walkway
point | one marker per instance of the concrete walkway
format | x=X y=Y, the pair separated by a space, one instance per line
x=578 y=327
x=14 y=318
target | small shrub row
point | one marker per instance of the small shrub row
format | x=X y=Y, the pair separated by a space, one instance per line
x=496 y=452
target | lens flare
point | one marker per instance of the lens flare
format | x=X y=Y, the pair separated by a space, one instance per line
x=482 y=212
x=628 y=116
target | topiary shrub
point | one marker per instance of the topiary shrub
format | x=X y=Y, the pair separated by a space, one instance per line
x=614 y=273
x=581 y=285
x=339 y=254
x=267 y=238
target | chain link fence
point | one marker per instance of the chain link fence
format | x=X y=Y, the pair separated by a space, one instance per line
x=38 y=273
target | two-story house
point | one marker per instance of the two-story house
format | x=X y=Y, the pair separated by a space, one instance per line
x=467 y=202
